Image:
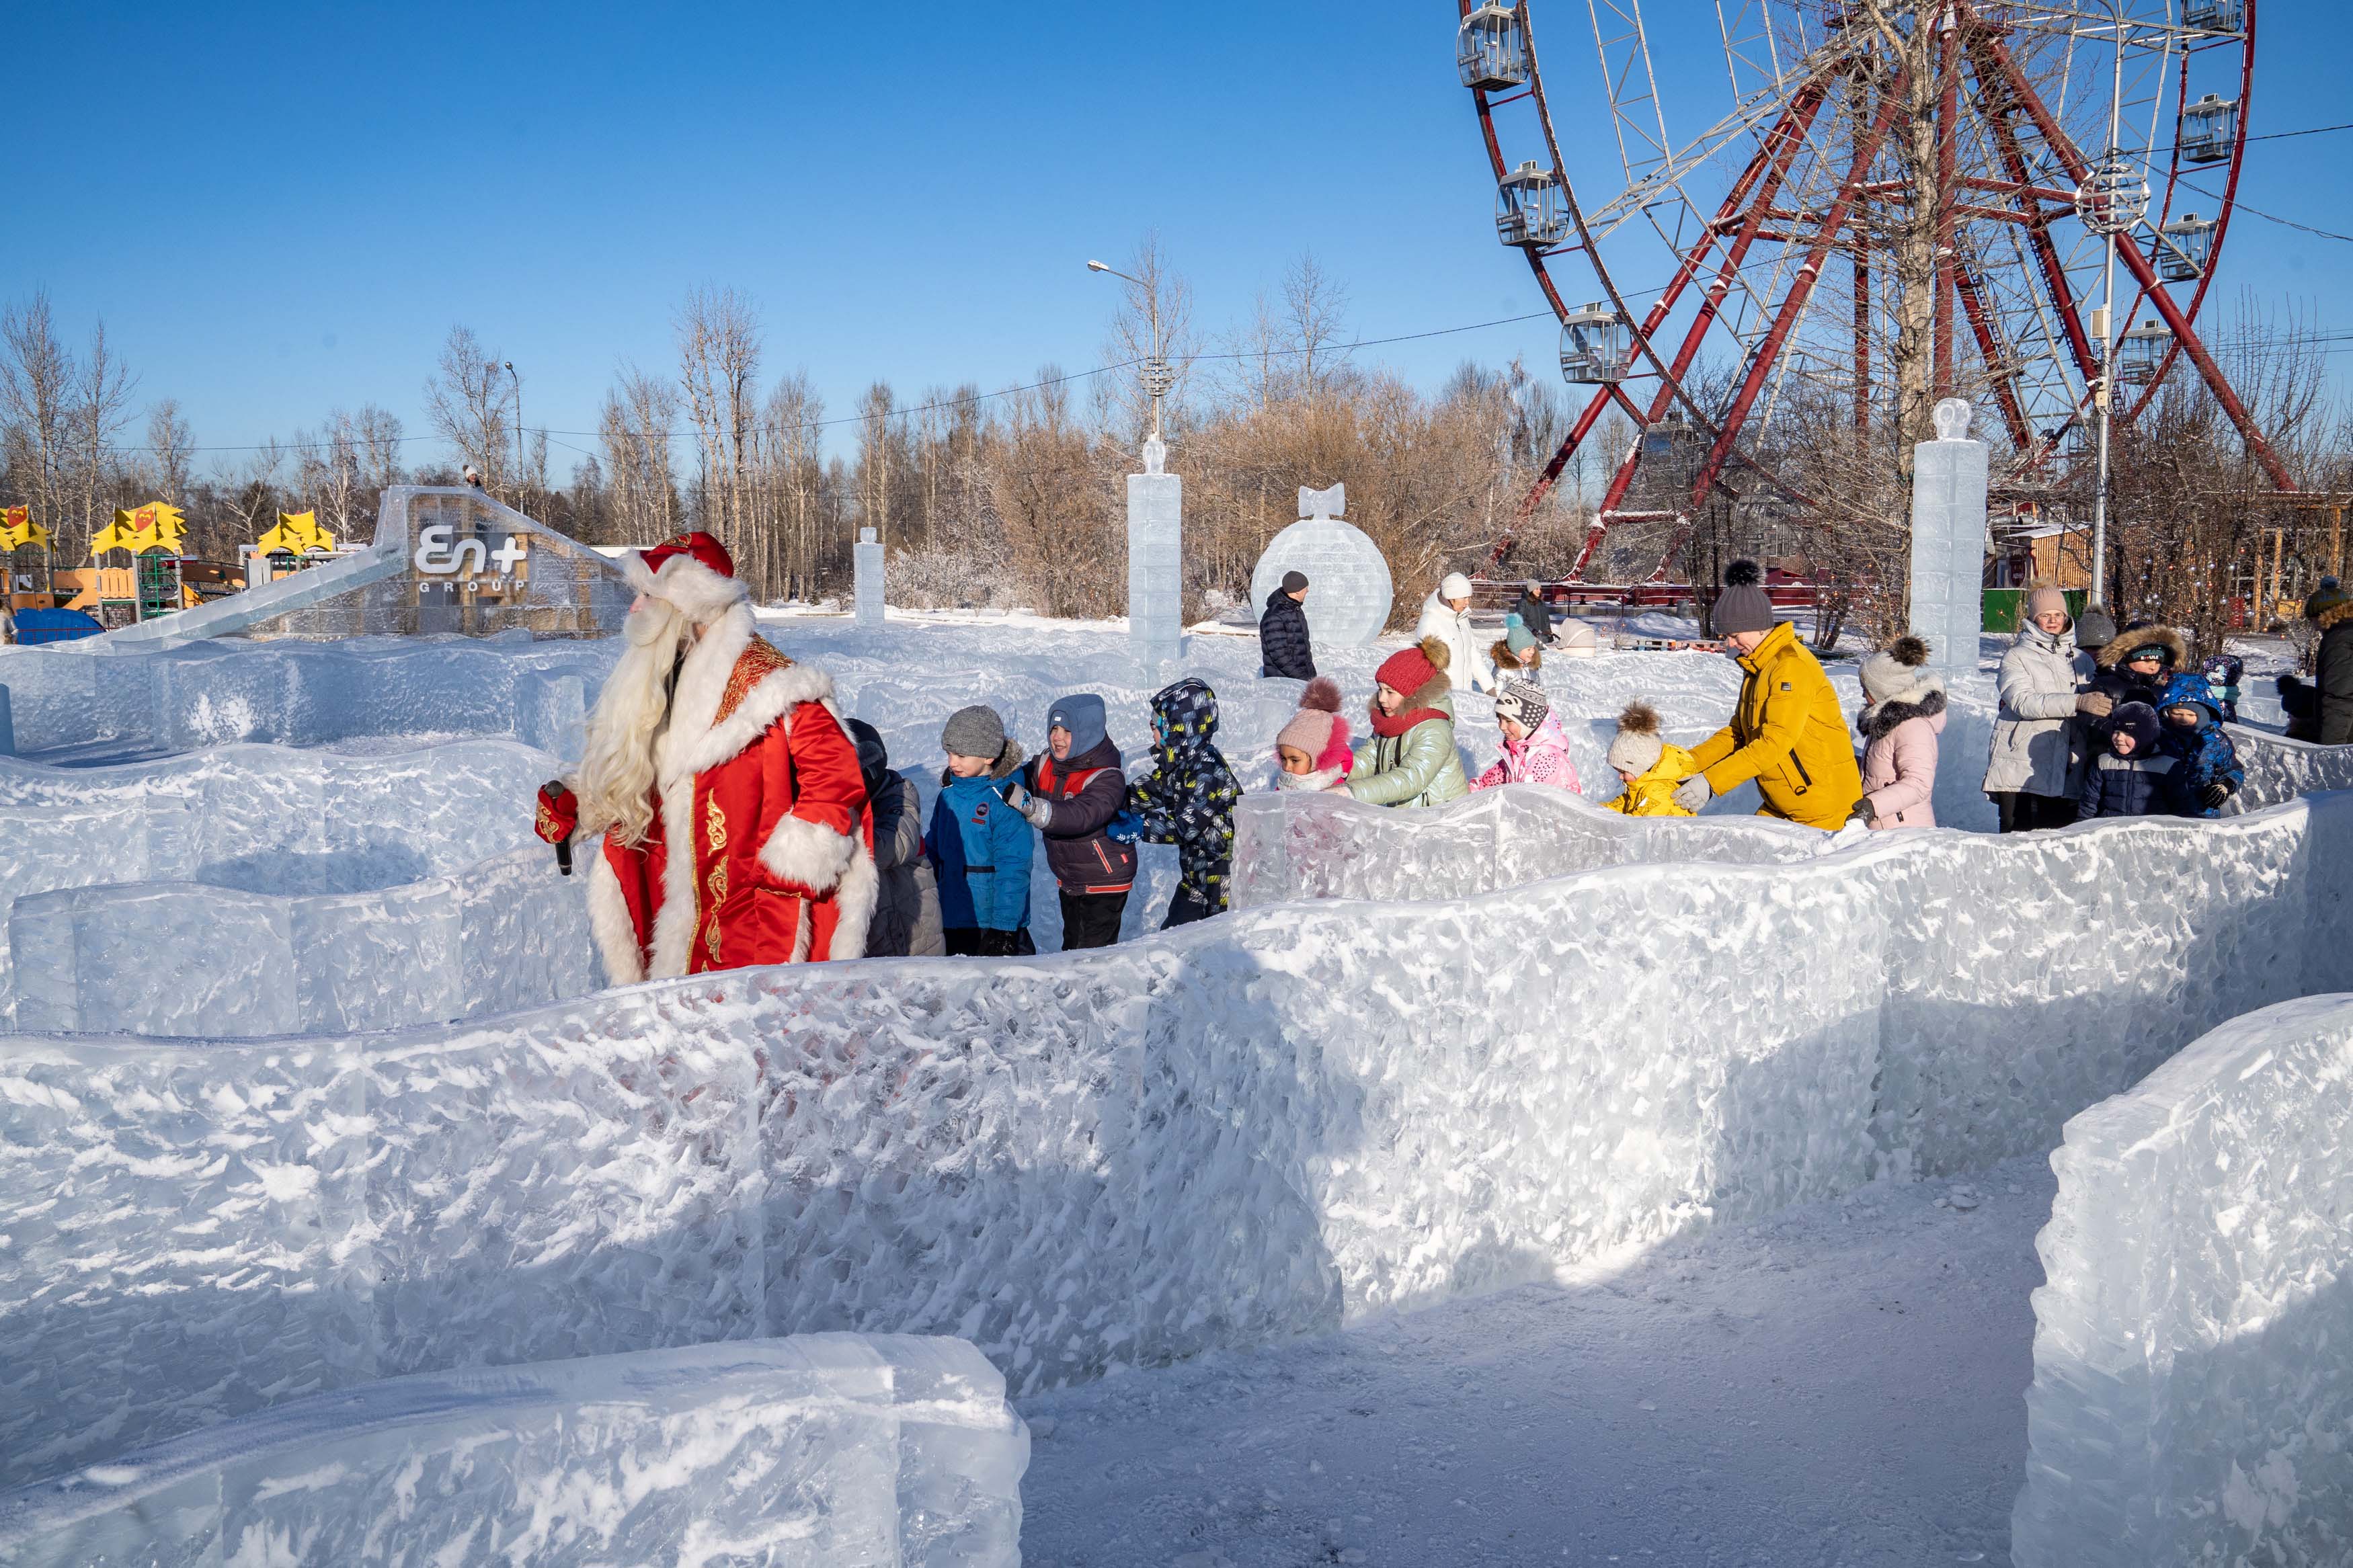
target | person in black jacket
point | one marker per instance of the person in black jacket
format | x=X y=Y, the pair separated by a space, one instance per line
x=2331 y=609
x=2133 y=775
x=1534 y=613
x=1282 y=646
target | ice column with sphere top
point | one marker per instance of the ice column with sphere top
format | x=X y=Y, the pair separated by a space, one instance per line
x=1155 y=543
x=1948 y=539
x=1348 y=586
x=868 y=565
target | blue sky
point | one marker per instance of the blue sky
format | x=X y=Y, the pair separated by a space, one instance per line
x=277 y=208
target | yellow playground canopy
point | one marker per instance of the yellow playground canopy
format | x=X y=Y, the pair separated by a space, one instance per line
x=297 y=533
x=158 y=525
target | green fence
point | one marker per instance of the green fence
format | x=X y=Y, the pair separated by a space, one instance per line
x=2004 y=606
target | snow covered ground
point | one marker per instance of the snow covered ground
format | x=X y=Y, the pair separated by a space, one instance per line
x=1842 y=1385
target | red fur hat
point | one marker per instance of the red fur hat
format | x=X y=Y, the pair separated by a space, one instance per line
x=691 y=571
x=1409 y=669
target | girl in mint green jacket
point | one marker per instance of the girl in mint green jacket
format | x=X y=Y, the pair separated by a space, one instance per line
x=1409 y=758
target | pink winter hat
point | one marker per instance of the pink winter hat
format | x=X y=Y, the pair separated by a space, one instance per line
x=1317 y=730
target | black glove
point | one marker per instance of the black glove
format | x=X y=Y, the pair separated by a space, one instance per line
x=1864 y=813
x=2216 y=793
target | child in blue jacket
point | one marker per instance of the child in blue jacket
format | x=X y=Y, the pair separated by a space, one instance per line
x=978 y=844
x=2208 y=773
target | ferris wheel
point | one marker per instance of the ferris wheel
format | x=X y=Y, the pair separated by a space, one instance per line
x=1885 y=205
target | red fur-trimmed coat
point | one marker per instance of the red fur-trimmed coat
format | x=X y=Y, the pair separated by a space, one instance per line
x=757 y=772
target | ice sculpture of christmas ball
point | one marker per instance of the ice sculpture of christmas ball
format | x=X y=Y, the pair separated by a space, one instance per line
x=1348 y=588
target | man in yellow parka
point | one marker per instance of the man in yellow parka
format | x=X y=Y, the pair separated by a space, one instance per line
x=1787 y=732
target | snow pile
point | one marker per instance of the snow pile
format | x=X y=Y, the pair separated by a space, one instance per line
x=2280 y=769
x=183 y=958
x=257 y=819
x=1273 y=1123
x=2193 y=1370
x=820 y=1448
x=81 y=707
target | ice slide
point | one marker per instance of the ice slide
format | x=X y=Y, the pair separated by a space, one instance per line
x=819 y=1449
x=1275 y=1123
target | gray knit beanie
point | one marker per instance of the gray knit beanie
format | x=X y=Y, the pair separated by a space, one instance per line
x=1743 y=606
x=1524 y=701
x=2094 y=629
x=972 y=733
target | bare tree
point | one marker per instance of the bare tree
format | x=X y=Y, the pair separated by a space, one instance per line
x=719 y=367
x=377 y=435
x=37 y=379
x=98 y=408
x=1157 y=291
x=471 y=402
x=169 y=439
x=635 y=431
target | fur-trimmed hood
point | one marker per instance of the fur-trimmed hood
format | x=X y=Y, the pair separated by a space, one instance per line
x=2334 y=615
x=1924 y=699
x=1010 y=761
x=2114 y=653
x=1436 y=693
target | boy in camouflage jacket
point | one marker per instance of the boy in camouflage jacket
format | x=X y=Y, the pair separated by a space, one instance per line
x=1189 y=798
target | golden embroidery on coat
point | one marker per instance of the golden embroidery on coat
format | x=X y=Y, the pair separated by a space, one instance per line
x=711 y=936
x=758 y=661
x=717 y=883
x=715 y=825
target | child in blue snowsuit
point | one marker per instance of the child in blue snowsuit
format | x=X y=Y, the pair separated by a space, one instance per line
x=2133 y=775
x=978 y=844
x=2208 y=773
x=1187 y=799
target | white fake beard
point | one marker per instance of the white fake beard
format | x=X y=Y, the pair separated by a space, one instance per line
x=616 y=768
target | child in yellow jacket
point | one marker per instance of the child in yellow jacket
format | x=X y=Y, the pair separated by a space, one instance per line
x=1649 y=767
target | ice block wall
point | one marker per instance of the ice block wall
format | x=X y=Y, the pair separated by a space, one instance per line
x=867 y=581
x=258 y=819
x=1156 y=565
x=183 y=958
x=83 y=707
x=2193 y=1348
x=822 y=1449
x=1948 y=540
x=1267 y=1124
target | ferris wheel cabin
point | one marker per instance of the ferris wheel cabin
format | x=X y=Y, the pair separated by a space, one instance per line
x=2186 y=242
x=1530 y=209
x=1491 y=50
x=1595 y=346
x=2210 y=128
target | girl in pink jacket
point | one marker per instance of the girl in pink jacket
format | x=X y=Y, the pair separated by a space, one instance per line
x=1535 y=749
x=1903 y=714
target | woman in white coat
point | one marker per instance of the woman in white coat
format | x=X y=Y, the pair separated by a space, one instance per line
x=1446 y=616
x=2037 y=759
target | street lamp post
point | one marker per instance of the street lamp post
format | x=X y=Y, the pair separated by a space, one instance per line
x=1156 y=379
x=522 y=463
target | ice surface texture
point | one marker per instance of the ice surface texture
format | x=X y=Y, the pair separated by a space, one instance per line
x=1271 y=1123
x=85 y=707
x=259 y=819
x=182 y=958
x=2193 y=1351
x=831 y=1449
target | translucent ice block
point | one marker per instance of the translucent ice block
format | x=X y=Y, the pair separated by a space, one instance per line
x=1156 y=576
x=820 y=1449
x=2193 y=1348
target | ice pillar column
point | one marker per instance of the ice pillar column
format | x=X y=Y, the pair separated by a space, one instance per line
x=1948 y=540
x=868 y=566
x=1155 y=574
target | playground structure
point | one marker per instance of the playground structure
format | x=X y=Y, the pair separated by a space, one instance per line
x=1899 y=205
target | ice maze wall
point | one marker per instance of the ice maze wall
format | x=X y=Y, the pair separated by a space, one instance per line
x=303 y=889
x=80 y=706
x=2193 y=1348
x=1275 y=1122
x=819 y=1449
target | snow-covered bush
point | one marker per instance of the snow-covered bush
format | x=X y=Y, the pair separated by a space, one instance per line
x=2193 y=1351
x=820 y=1448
